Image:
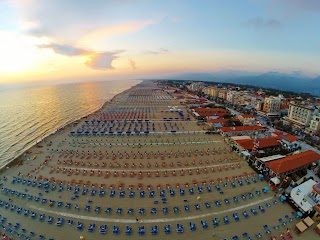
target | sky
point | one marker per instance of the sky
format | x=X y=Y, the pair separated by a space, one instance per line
x=70 y=40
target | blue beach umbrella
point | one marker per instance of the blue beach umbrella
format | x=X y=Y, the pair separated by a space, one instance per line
x=283 y=198
x=299 y=214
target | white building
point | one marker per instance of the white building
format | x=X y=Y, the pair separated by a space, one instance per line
x=271 y=105
x=314 y=127
x=300 y=115
x=230 y=96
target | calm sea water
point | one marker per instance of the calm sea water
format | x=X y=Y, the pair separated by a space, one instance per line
x=27 y=115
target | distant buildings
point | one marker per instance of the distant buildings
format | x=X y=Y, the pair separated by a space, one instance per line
x=271 y=105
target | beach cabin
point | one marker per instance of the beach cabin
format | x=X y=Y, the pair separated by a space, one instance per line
x=241 y=130
x=288 y=141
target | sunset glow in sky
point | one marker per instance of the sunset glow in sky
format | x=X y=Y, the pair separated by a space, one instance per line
x=128 y=39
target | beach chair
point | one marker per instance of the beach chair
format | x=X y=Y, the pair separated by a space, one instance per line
x=207 y=205
x=235 y=199
x=60 y=204
x=167 y=229
x=179 y=228
x=162 y=193
x=79 y=226
x=215 y=222
x=204 y=224
x=187 y=208
x=250 y=195
x=165 y=210
x=235 y=237
x=245 y=214
x=91 y=227
x=50 y=219
x=68 y=205
x=103 y=229
x=87 y=208
x=101 y=193
x=218 y=188
x=191 y=191
x=236 y=216
x=164 y=200
x=141 y=230
x=153 y=211
x=261 y=208
x=151 y=194
x=97 y=209
x=181 y=191
x=131 y=194
x=248 y=182
x=141 y=211
x=112 y=193
x=200 y=189
x=122 y=194
x=142 y=194
x=268 y=205
x=172 y=193
x=253 y=211
x=258 y=192
x=240 y=183
x=115 y=230
x=258 y=235
x=197 y=206
x=154 y=230
x=192 y=226
x=19 y=210
x=70 y=222
x=42 y=217
x=119 y=211
x=93 y=192
x=226 y=219
x=226 y=201
x=128 y=230
x=130 y=211
x=217 y=203
x=33 y=215
x=254 y=180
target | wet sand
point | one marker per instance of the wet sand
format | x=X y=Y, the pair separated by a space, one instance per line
x=175 y=158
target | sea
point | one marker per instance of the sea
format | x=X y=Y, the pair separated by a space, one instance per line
x=30 y=114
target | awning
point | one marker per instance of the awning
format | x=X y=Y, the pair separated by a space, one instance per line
x=301 y=226
x=275 y=180
x=308 y=221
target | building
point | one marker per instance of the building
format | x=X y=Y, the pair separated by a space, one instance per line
x=209 y=112
x=314 y=127
x=290 y=164
x=247 y=119
x=223 y=94
x=213 y=91
x=288 y=141
x=230 y=96
x=269 y=143
x=271 y=105
x=299 y=115
x=220 y=122
x=241 y=130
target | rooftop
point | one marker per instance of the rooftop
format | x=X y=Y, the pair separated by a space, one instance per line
x=241 y=128
x=292 y=162
x=286 y=136
x=248 y=144
x=246 y=116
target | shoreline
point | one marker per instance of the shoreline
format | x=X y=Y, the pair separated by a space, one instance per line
x=64 y=125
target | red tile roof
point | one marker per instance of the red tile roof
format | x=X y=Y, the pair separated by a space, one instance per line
x=263 y=143
x=198 y=110
x=292 y=162
x=286 y=136
x=241 y=128
x=247 y=116
x=222 y=120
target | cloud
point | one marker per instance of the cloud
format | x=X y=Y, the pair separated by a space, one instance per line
x=261 y=23
x=65 y=49
x=132 y=64
x=97 y=60
x=161 y=50
x=102 y=61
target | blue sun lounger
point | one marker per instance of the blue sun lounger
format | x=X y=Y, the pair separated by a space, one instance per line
x=192 y=226
x=128 y=230
x=142 y=211
x=115 y=230
x=154 y=230
x=167 y=229
x=215 y=222
x=141 y=230
x=179 y=228
x=204 y=224
x=245 y=214
x=103 y=229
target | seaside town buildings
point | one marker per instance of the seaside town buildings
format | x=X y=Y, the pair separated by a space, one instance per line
x=299 y=114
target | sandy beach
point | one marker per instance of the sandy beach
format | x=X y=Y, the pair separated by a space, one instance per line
x=135 y=169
